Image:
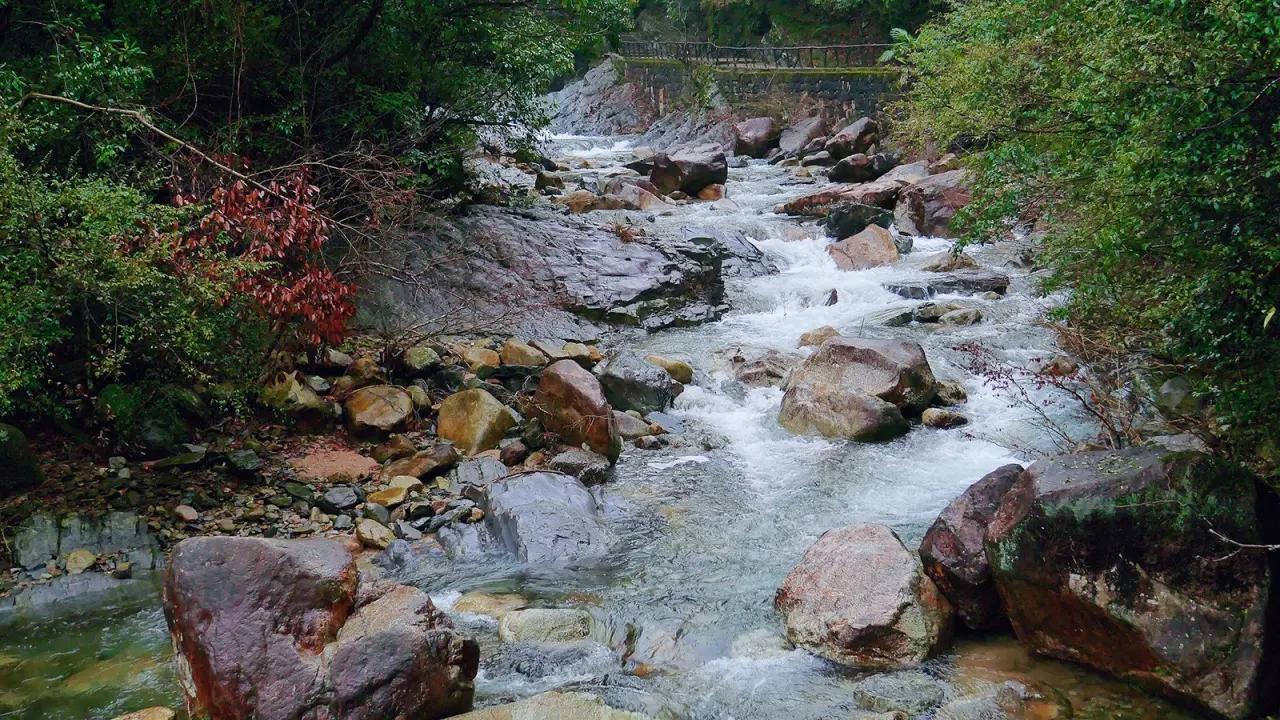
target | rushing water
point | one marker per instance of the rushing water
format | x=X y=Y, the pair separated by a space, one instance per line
x=685 y=625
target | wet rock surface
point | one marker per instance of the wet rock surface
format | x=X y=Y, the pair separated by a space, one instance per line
x=857 y=388
x=538 y=274
x=954 y=551
x=271 y=629
x=1096 y=564
x=860 y=598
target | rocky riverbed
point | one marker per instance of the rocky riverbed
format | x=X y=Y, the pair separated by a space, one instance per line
x=613 y=499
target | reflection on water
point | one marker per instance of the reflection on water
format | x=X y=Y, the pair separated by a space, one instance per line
x=87 y=667
x=684 y=623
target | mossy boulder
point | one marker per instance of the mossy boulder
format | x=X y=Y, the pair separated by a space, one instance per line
x=1138 y=563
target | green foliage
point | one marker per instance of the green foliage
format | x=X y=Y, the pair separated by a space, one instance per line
x=785 y=22
x=1143 y=136
x=412 y=81
x=88 y=295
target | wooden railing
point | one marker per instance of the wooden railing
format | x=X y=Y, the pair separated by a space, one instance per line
x=800 y=56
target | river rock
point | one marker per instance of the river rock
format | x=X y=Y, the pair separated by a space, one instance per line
x=544 y=625
x=554 y=706
x=942 y=419
x=860 y=598
x=378 y=409
x=961 y=316
x=631 y=427
x=546 y=517
x=949 y=262
x=537 y=273
x=926 y=207
x=538 y=518
x=473 y=420
x=18 y=468
x=570 y=402
x=851 y=218
x=954 y=555
x=631 y=196
x=870 y=248
x=753 y=137
x=419 y=359
x=857 y=137
x=292 y=396
x=435 y=460
x=265 y=629
x=1116 y=560
x=590 y=468
x=679 y=370
x=857 y=388
x=372 y=533
x=757 y=367
x=817 y=336
x=961 y=282
x=859 y=168
x=630 y=383
x=799 y=134
x=518 y=352
x=689 y=170
x=950 y=393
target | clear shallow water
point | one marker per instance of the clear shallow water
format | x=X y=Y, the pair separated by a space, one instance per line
x=684 y=621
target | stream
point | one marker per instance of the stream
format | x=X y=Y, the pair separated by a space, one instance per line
x=685 y=626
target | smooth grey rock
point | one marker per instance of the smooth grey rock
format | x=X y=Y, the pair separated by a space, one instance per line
x=631 y=383
x=547 y=517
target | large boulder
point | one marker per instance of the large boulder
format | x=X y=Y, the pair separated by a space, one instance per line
x=570 y=402
x=546 y=518
x=473 y=420
x=269 y=629
x=378 y=409
x=1143 y=563
x=954 y=553
x=872 y=247
x=18 y=468
x=857 y=388
x=857 y=137
x=859 y=597
x=631 y=383
x=753 y=137
x=859 y=167
x=800 y=133
x=852 y=218
x=926 y=207
x=689 y=170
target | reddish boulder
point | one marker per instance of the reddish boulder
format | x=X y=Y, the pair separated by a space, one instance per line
x=800 y=133
x=570 y=402
x=268 y=629
x=857 y=137
x=859 y=597
x=1120 y=560
x=954 y=555
x=926 y=207
x=753 y=137
x=860 y=168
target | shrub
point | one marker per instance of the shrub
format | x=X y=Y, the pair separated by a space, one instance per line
x=1143 y=136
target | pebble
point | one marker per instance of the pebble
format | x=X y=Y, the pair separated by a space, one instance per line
x=374 y=534
x=186 y=513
